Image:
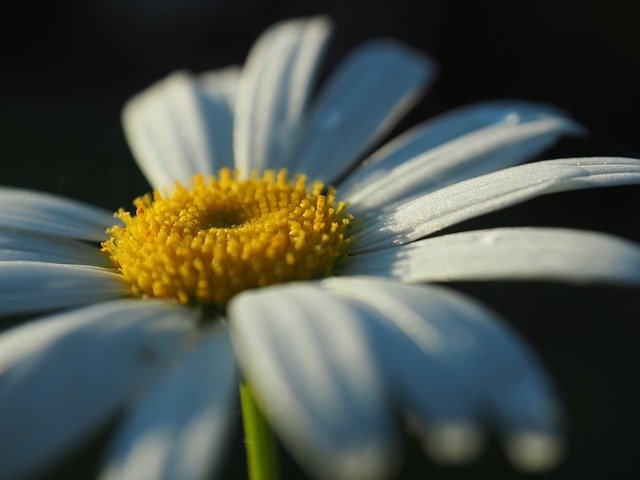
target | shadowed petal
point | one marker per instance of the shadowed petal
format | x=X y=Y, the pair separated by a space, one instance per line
x=305 y=353
x=274 y=89
x=74 y=377
x=52 y=215
x=219 y=91
x=477 y=196
x=507 y=253
x=178 y=126
x=421 y=386
x=492 y=367
x=177 y=430
x=27 y=287
x=372 y=89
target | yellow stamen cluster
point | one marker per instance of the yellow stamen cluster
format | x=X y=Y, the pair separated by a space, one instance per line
x=227 y=234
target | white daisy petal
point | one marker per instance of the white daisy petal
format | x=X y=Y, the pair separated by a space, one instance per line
x=177 y=430
x=74 y=381
x=22 y=341
x=219 y=92
x=477 y=196
x=418 y=381
x=410 y=168
x=52 y=215
x=305 y=353
x=443 y=128
x=15 y=245
x=372 y=89
x=168 y=127
x=275 y=85
x=27 y=287
x=490 y=364
x=507 y=253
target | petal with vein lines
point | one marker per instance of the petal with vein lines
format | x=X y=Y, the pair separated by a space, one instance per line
x=494 y=191
x=443 y=128
x=53 y=215
x=73 y=381
x=177 y=429
x=493 y=368
x=407 y=172
x=305 y=353
x=274 y=89
x=418 y=382
x=16 y=245
x=27 y=287
x=372 y=89
x=176 y=127
x=507 y=253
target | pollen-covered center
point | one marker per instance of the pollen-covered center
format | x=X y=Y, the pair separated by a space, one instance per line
x=227 y=234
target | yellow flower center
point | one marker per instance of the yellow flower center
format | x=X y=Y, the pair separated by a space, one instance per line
x=227 y=234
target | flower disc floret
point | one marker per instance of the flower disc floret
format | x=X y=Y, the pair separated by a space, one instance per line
x=226 y=234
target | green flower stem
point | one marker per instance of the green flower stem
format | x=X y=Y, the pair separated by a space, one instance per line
x=262 y=460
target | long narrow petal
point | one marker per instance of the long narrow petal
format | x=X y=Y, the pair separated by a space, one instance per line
x=74 y=381
x=16 y=245
x=53 y=215
x=409 y=169
x=170 y=131
x=177 y=430
x=374 y=87
x=507 y=253
x=471 y=198
x=275 y=86
x=490 y=364
x=27 y=287
x=304 y=351
x=441 y=129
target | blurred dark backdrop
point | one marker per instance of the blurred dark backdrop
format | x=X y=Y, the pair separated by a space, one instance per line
x=68 y=66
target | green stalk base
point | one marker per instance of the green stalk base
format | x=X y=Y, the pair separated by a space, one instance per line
x=260 y=444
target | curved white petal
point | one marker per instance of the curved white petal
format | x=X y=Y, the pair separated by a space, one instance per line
x=407 y=171
x=490 y=364
x=441 y=129
x=305 y=353
x=507 y=253
x=52 y=215
x=177 y=429
x=372 y=89
x=416 y=380
x=72 y=381
x=178 y=127
x=16 y=245
x=477 y=196
x=27 y=287
x=275 y=85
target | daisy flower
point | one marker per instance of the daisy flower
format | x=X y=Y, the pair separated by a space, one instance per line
x=269 y=255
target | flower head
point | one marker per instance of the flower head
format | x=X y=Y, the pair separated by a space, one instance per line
x=226 y=235
x=330 y=360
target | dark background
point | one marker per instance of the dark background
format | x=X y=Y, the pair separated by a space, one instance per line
x=68 y=66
